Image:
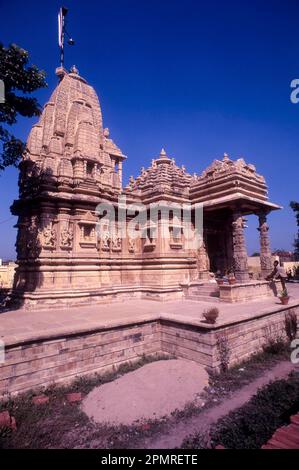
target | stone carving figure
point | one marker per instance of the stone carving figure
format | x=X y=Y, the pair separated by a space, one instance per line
x=33 y=239
x=49 y=237
x=105 y=241
x=116 y=243
x=131 y=245
x=66 y=237
x=202 y=259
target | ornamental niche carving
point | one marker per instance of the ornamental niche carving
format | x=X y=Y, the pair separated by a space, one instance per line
x=48 y=237
x=66 y=237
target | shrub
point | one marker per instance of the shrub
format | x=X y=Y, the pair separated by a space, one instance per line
x=252 y=425
x=211 y=314
x=283 y=293
x=291 y=324
x=223 y=351
x=197 y=441
x=274 y=340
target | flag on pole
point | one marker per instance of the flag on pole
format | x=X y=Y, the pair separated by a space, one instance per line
x=60 y=28
x=61 y=16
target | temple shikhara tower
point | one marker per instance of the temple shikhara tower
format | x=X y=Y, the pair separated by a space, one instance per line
x=66 y=250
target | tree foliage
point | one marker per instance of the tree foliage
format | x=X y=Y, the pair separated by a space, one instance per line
x=20 y=79
x=295 y=206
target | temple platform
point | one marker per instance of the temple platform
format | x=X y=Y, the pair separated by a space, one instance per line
x=59 y=344
x=237 y=292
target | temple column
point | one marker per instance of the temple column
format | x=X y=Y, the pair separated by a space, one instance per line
x=120 y=173
x=202 y=259
x=239 y=249
x=265 y=250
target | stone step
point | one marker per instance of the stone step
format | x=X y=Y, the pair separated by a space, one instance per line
x=205 y=290
x=202 y=298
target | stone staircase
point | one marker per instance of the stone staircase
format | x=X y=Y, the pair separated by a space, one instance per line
x=202 y=291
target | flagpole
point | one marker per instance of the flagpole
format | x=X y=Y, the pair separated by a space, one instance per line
x=61 y=34
x=61 y=30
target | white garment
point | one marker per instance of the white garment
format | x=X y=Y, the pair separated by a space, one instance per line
x=280 y=272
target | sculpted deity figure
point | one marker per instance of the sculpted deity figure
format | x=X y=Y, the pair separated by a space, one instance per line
x=116 y=243
x=49 y=237
x=131 y=245
x=66 y=237
x=202 y=259
x=105 y=240
x=33 y=239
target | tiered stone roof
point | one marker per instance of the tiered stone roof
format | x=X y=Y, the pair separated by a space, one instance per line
x=163 y=177
x=226 y=166
x=225 y=178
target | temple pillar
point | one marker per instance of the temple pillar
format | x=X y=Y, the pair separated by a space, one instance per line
x=202 y=259
x=239 y=249
x=265 y=250
x=120 y=173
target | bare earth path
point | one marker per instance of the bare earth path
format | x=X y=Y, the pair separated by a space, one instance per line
x=203 y=421
x=151 y=392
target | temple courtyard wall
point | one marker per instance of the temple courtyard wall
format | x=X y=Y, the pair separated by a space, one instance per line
x=52 y=346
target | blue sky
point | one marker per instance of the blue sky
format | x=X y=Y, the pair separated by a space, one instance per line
x=198 y=78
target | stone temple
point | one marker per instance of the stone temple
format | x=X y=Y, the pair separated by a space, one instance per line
x=72 y=165
x=86 y=240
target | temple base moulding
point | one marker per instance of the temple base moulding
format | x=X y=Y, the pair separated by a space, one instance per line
x=252 y=290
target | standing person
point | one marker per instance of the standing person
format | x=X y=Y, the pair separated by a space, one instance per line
x=278 y=273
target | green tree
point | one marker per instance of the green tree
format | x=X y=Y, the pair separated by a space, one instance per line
x=19 y=79
x=256 y=253
x=295 y=206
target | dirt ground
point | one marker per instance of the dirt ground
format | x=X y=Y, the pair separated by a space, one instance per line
x=151 y=392
x=175 y=436
x=59 y=423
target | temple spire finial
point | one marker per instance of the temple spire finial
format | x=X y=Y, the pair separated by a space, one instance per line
x=163 y=153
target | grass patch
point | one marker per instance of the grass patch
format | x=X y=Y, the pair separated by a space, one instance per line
x=246 y=371
x=253 y=424
x=59 y=423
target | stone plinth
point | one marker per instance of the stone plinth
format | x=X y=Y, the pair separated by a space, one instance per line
x=247 y=291
x=201 y=291
x=58 y=356
x=62 y=344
